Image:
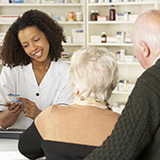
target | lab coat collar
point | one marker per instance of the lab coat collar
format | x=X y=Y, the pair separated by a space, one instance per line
x=52 y=73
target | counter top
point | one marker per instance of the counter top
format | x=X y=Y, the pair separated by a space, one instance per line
x=9 y=150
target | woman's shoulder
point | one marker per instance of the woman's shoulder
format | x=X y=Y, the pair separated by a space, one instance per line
x=12 y=71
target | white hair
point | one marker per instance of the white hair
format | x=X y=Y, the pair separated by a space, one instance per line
x=94 y=72
x=147 y=29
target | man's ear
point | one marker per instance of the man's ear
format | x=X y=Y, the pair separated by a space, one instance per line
x=145 y=49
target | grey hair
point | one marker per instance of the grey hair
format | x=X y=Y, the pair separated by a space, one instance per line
x=147 y=29
x=94 y=72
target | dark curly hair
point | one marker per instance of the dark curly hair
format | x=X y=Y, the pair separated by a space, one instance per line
x=12 y=52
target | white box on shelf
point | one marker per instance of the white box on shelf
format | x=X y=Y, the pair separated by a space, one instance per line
x=58 y=1
x=129 y=58
x=68 y=39
x=133 y=17
x=119 y=17
x=111 y=39
x=95 y=39
x=4 y=1
x=75 y=1
x=31 y=1
x=47 y=1
x=148 y=0
x=8 y=18
x=78 y=35
x=128 y=38
x=120 y=37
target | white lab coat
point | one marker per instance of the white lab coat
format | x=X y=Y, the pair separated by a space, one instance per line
x=55 y=87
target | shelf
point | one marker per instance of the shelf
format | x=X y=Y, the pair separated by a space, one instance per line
x=72 y=44
x=111 y=22
x=121 y=92
x=61 y=22
x=121 y=3
x=4 y=23
x=110 y=44
x=68 y=44
x=69 y=22
x=40 y=4
x=128 y=63
x=68 y=62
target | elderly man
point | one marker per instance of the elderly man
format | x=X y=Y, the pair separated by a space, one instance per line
x=136 y=135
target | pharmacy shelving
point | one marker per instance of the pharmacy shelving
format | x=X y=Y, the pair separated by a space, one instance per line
x=54 y=9
x=129 y=71
x=110 y=44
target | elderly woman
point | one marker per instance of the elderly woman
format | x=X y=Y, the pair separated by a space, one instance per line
x=72 y=132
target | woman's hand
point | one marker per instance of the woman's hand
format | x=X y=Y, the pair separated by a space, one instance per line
x=29 y=108
x=14 y=108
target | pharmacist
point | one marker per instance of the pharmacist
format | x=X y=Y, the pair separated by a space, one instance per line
x=32 y=69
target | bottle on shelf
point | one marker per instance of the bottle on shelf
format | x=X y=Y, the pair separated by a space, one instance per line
x=97 y=14
x=112 y=13
x=78 y=16
x=93 y=15
x=103 y=37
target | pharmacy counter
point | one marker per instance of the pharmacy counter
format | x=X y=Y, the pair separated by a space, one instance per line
x=9 y=150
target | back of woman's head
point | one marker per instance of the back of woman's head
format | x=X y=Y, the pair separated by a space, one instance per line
x=14 y=54
x=94 y=72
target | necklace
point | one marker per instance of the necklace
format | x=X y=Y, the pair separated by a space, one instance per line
x=92 y=102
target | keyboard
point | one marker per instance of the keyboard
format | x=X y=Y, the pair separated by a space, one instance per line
x=10 y=133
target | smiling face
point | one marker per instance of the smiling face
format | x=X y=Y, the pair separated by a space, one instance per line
x=34 y=43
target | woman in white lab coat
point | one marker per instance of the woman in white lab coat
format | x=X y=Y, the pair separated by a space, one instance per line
x=30 y=55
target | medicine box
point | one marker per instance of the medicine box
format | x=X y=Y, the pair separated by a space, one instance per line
x=77 y=35
x=18 y=1
x=133 y=17
x=56 y=18
x=58 y=1
x=111 y=39
x=8 y=18
x=102 y=18
x=75 y=1
x=65 y=56
x=95 y=39
x=129 y=58
x=120 y=37
x=119 y=17
x=127 y=38
x=4 y=1
x=31 y=1
x=47 y=1
x=68 y=39
x=148 y=0
x=13 y=98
